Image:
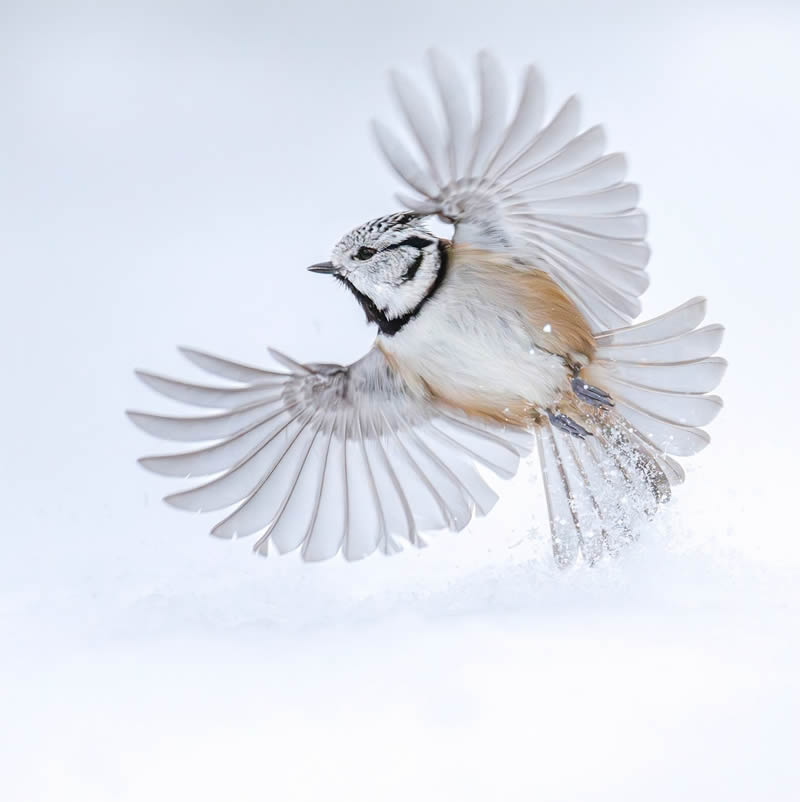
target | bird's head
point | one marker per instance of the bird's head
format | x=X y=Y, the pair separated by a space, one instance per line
x=391 y=264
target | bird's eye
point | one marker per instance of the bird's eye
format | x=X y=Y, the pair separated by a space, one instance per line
x=364 y=253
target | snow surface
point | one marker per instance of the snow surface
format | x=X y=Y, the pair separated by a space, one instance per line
x=168 y=169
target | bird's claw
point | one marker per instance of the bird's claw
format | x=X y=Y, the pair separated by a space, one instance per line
x=591 y=395
x=566 y=424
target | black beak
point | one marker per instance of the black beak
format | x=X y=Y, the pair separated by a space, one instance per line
x=323 y=267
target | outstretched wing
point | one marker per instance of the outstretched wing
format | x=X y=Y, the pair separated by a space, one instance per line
x=327 y=457
x=543 y=191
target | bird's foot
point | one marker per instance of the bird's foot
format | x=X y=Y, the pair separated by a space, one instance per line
x=591 y=395
x=566 y=424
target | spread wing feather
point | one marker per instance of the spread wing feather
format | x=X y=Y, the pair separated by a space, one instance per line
x=546 y=192
x=327 y=458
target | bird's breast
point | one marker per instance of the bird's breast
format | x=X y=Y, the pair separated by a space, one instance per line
x=472 y=349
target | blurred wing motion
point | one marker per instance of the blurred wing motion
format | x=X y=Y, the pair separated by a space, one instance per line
x=543 y=191
x=328 y=457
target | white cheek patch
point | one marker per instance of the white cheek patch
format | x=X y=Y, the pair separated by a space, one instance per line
x=383 y=284
x=402 y=299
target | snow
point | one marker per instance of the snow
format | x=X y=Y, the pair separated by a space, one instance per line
x=168 y=172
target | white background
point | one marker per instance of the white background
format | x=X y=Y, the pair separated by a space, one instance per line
x=167 y=170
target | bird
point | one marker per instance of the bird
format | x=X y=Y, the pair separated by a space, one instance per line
x=511 y=340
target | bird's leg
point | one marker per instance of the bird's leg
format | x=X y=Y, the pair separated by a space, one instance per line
x=589 y=394
x=566 y=424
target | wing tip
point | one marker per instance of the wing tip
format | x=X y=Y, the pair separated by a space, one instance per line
x=146 y=463
x=137 y=418
x=160 y=465
x=533 y=75
x=192 y=354
x=178 y=501
x=292 y=364
x=151 y=380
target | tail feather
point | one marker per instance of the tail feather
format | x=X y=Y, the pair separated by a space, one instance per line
x=564 y=523
x=671 y=469
x=605 y=479
x=601 y=491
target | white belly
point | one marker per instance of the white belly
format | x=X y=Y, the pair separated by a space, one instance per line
x=466 y=344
